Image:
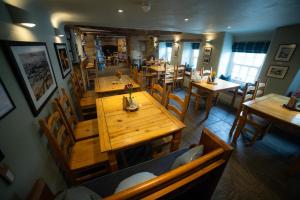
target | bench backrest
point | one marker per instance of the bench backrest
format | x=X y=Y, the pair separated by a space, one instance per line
x=198 y=177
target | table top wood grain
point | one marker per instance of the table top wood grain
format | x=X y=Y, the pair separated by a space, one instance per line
x=119 y=129
x=111 y=83
x=271 y=105
x=221 y=85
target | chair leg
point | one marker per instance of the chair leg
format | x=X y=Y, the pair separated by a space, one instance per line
x=197 y=103
x=233 y=126
x=217 y=99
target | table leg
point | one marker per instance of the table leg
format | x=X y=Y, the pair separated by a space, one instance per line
x=112 y=159
x=241 y=123
x=189 y=93
x=208 y=104
x=175 y=141
x=234 y=96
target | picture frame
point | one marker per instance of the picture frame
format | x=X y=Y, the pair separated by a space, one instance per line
x=7 y=105
x=206 y=54
x=32 y=67
x=63 y=58
x=276 y=71
x=285 y=52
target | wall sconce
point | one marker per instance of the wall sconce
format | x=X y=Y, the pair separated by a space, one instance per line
x=58 y=32
x=208 y=42
x=20 y=16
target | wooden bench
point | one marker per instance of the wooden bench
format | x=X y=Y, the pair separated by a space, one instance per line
x=198 y=177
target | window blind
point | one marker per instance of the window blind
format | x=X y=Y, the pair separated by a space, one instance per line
x=251 y=47
x=169 y=44
x=195 y=45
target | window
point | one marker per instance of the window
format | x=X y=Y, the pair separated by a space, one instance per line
x=165 y=51
x=247 y=60
x=190 y=54
x=246 y=66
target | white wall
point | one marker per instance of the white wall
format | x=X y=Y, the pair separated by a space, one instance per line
x=24 y=146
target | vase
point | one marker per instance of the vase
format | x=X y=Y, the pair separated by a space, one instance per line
x=213 y=79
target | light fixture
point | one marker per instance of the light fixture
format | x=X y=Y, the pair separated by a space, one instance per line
x=58 y=32
x=186 y=19
x=20 y=16
x=120 y=10
x=146 y=6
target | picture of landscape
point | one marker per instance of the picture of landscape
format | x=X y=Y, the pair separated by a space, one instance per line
x=38 y=72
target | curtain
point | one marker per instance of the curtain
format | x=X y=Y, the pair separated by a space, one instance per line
x=251 y=47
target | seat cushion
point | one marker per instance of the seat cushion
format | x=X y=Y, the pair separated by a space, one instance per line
x=88 y=102
x=86 y=153
x=188 y=156
x=134 y=180
x=86 y=129
x=90 y=93
x=78 y=193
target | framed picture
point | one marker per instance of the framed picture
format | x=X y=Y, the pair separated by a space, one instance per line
x=277 y=71
x=7 y=105
x=63 y=58
x=285 y=52
x=32 y=67
x=206 y=54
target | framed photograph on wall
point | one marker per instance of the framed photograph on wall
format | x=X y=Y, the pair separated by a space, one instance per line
x=6 y=105
x=285 y=52
x=277 y=71
x=63 y=58
x=31 y=64
x=206 y=54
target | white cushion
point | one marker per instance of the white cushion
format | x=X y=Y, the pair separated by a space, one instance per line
x=134 y=180
x=78 y=193
x=188 y=156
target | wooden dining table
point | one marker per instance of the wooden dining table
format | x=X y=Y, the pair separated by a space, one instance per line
x=111 y=84
x=269 y=107
x=211 y=89
x=120 y=129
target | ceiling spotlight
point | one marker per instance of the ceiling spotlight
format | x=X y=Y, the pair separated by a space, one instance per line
x=228 y=27
x=146 y=6
x=29 y=25
x=186 y=19
x=120 y=10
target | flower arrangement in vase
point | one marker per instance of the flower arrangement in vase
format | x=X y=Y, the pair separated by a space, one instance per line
x=128 y=102
x=213 y=76
x=119 y=75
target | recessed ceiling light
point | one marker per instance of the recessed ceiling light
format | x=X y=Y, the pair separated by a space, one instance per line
x=30 y=25
x=186 y=19
x=120 y=10
x=228 y=27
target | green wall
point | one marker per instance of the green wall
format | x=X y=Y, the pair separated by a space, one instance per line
x=25 y=147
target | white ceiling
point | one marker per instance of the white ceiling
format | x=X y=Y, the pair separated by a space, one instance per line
x=169 y=15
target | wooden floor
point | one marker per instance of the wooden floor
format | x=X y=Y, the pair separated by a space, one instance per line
x=257 y=172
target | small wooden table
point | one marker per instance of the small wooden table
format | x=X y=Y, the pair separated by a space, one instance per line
x=119 y=129
x=211 y=89
x=110 y=84
x=157 y=68
x=269 y=107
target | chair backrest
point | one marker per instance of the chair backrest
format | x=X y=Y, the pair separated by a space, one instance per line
x=248 y=95
x=63 y=105
x=76 y=88
x=260 y=88
x=60 y=140
x=180 y=72
x=183 y=104
x=137 y=76
x=158 y=93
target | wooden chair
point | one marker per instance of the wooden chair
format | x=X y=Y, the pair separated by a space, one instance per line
x=87 y=105
x=260 y=88
x=83 y=85
x=259 y=124
x=158 y=93
x=168 y=76
x=80 y=160
x=81 y=129
x=179 y=75
x=178 y=107
x=138 y=77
